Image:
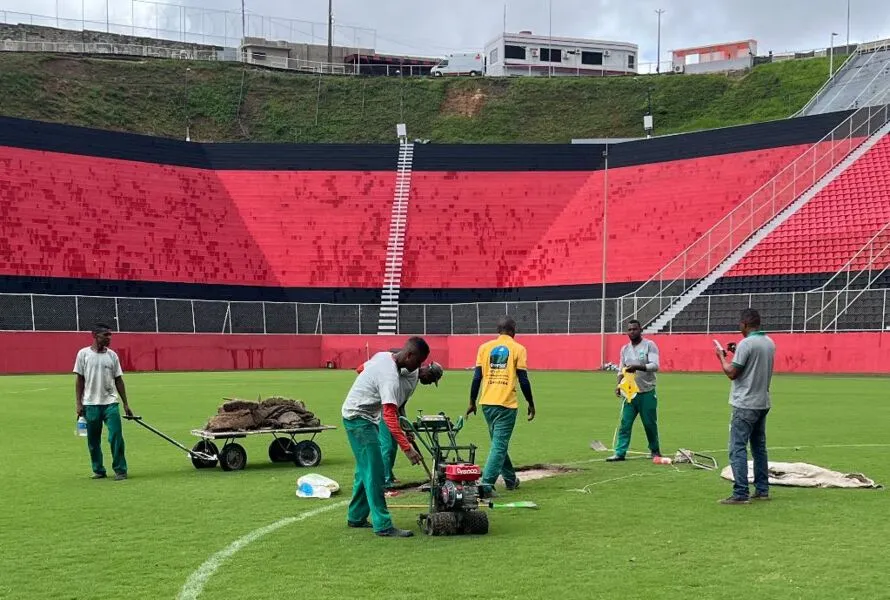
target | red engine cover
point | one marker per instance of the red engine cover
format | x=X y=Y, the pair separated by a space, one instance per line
x=463 y=472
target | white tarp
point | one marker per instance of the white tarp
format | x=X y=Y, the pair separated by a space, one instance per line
x=806 y=475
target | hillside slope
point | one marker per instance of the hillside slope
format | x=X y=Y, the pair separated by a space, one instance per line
x=225 y=102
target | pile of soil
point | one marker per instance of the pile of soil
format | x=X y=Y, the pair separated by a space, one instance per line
x=272 y=413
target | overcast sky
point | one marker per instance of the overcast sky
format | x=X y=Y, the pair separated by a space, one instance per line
x=428 y=28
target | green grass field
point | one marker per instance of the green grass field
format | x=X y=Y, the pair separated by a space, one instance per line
x=225 y=102
x=644 y=531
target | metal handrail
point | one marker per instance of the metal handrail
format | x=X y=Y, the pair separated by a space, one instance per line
x=694 y=256
x=847 y=266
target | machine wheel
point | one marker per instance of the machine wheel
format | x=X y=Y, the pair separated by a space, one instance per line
x=282 y=450
x=442 y=523
x=474 y=73
x=233 y=457
x=206 y=447
x=307 y=454
x=475 y=522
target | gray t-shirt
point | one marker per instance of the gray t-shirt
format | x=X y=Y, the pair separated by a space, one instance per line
x=644 y=353
x=754 y=357
x=378 y=384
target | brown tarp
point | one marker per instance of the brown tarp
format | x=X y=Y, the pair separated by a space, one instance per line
x=271 y=413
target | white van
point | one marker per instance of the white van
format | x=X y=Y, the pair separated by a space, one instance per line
x=466 y=63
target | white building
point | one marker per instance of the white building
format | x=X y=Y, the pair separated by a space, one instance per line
x=526 y=54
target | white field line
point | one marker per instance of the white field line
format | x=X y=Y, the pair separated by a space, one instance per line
x=194 y=585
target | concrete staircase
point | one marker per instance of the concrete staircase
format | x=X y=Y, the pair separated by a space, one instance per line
x=392 y=279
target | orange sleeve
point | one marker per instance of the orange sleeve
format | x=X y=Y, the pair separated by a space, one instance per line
x=391 y=419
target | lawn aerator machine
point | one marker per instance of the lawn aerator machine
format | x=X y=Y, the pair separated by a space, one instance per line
x=454 y=482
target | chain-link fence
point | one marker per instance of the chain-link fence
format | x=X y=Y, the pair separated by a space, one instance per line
x=852 y=310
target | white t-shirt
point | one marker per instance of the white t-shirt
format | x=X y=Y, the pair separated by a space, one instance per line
x=376 y=385
x=99 y=370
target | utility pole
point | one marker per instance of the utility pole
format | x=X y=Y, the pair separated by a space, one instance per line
x=330 y=33
x=243 y=22
x=659 y=11
x=848 y=26
x=550 y=41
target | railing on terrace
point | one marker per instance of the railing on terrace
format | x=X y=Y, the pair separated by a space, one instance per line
x=798 y=311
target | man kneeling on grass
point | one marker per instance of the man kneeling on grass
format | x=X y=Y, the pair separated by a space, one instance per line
x=375 y=394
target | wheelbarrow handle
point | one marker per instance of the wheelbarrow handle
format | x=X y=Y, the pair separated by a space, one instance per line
x=190 y=452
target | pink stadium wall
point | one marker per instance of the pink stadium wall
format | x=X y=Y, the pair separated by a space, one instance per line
x=797 y=353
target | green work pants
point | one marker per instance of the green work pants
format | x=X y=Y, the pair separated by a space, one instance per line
x=501 y=421
x=388 y=449
x=367 y=488
x=645 y=404
x=110 y=415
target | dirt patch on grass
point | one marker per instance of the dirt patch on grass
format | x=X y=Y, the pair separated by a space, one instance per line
x=65 y=67
x=463 y=103
x=526 y=473
x=533 y=472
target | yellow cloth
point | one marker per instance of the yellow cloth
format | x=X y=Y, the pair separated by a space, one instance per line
x=628 y=385
x=500 y=359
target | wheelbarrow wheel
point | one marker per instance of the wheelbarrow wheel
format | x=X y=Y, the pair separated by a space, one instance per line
x=233 y=457
x=442 y=523
x=475 y=522
x=205 y=447
x=307 y=454
x=282 y=450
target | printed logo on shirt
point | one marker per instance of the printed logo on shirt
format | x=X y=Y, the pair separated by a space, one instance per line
x=499 y=357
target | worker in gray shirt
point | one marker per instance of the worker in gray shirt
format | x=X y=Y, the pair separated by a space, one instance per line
x=751 y=372
x=640 y=357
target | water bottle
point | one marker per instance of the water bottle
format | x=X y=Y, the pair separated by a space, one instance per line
x=81 y=430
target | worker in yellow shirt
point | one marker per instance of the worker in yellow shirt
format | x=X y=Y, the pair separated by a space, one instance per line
x=500 y=363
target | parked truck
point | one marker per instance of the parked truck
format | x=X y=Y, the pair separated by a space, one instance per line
x=464 y=63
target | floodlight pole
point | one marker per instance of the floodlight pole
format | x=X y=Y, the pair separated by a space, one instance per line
x=605 y=249
x=831 y=55
x=659 y=11
x=848 y=25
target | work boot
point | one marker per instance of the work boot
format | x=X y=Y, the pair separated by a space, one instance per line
x=761 y=497
x=360 y=525
x=394 y=532
x=99 y=476
x=735 y=500
x=120 y=476
x=512 y=487
x=487 y=492
x=615 y=458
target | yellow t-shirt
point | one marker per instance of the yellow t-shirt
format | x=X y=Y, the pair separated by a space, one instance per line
x=500 y=359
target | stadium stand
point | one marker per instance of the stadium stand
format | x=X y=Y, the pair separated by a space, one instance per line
x=819 y=240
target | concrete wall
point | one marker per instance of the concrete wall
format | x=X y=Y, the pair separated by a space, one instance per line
x=308 y=52
x=36 y=33
x=795 y=353
x=721 y=66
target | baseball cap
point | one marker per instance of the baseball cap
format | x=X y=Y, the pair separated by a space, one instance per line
x=436 y=371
